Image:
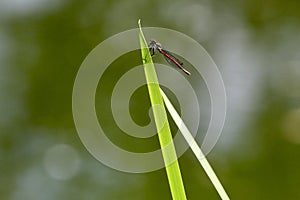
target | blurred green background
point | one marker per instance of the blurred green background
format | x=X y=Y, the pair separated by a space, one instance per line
x=255 y=44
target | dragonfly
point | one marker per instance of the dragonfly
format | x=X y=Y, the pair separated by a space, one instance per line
x=155 y=46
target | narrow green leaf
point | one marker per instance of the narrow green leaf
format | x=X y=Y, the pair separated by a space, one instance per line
x=195 y=147
x=162 y=124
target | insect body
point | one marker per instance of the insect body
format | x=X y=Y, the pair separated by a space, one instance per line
x=156 y=46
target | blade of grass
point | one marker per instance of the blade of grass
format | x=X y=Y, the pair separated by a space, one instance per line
x=195 y=148
x=162 y=124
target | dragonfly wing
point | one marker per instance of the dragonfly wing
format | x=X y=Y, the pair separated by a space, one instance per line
x=172 y=60
x=173 y=57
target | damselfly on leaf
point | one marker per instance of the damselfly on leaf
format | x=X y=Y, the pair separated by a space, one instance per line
x=155 y=46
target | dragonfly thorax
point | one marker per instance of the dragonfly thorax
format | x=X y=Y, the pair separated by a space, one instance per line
x=154 y=45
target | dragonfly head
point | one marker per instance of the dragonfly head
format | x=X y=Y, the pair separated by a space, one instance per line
x=153 y=46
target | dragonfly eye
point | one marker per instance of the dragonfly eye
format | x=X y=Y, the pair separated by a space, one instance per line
x=151 y=43
x=154 y=44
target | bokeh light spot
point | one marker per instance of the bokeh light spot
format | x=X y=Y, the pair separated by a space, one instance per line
x=61 y=162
